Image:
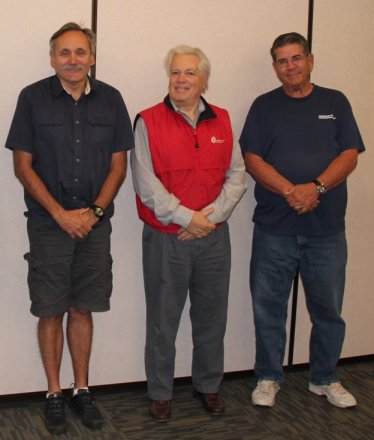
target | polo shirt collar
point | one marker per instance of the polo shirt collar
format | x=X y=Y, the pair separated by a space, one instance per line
x=58 y=88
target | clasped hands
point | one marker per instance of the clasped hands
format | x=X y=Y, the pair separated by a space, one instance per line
x=78 y=222
x=200 y=226
x=302 y=198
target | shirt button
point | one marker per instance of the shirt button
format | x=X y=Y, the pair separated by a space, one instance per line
x=77 y=141
x=74 y=197
x=76 y=180
x=77 y=122
x=77 y=160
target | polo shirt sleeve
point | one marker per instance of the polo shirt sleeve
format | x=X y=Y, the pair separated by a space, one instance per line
x=123 y=135
x=21 y=133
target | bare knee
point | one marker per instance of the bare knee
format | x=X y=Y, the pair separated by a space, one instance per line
x=51 y=321
x=79 y=315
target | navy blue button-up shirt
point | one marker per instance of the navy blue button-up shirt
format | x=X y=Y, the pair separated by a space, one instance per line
x=71 y=142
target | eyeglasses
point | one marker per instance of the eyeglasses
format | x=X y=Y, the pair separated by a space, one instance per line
x=282 y=63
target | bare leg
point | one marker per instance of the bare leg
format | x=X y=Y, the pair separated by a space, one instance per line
x=79 y=333
x=51 y=343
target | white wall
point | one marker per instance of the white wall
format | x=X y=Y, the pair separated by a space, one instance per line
x=133 y=38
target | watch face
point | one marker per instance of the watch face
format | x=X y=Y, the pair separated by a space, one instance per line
x=99 y=212
x=322 y=189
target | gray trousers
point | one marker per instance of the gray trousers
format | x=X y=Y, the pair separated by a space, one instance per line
x=171 y=269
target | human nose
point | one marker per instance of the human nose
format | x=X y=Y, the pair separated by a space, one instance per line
x=291 y=62
x=181 y=77
x=72 y=58
x=288 y=63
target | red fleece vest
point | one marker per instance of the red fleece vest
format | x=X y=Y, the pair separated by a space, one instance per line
x=191 y=163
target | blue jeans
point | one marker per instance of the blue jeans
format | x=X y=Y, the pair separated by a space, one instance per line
x=321 y=261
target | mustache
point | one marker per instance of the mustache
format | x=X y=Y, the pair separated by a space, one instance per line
x=73 y=67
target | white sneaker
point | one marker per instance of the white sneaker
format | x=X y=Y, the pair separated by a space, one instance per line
x=264 y=393
x=336 y=394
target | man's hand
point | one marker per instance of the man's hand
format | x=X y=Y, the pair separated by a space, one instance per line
x=184 y=235
x=303 y=198
x=88 y=216
x=199 y=226
x=77 y=223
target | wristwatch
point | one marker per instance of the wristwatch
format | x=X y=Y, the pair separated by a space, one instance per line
x=321 y=188
x=98 y=211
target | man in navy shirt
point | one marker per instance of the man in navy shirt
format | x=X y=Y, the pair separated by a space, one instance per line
x=300 y=142
x=69 y=137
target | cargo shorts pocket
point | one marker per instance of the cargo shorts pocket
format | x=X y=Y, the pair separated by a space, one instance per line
x=46 y=280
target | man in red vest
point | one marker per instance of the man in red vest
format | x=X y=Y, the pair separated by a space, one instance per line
x=188 y=176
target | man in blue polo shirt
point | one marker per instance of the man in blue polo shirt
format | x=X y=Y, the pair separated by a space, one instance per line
x=300 y=142
x=69 y=137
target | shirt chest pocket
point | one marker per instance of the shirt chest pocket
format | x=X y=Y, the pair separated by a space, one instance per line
x=100 y=129
x=50 y=129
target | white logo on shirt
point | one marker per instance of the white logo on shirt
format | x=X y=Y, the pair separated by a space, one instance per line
x=326 y=116
x=214 y=140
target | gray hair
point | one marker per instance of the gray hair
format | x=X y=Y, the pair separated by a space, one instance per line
x=91 y=37
x=204 y=64
x=289 y=38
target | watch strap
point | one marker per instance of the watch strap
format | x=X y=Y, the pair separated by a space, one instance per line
x=321 y=188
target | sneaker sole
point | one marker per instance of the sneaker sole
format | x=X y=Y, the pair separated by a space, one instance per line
x=57 y=430
x=94 y=426
x=266 y=405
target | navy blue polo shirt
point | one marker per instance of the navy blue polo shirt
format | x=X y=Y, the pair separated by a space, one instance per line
x=71 y=142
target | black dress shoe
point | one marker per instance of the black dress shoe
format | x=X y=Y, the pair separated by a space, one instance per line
x=212 y=403
x=160 y=410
